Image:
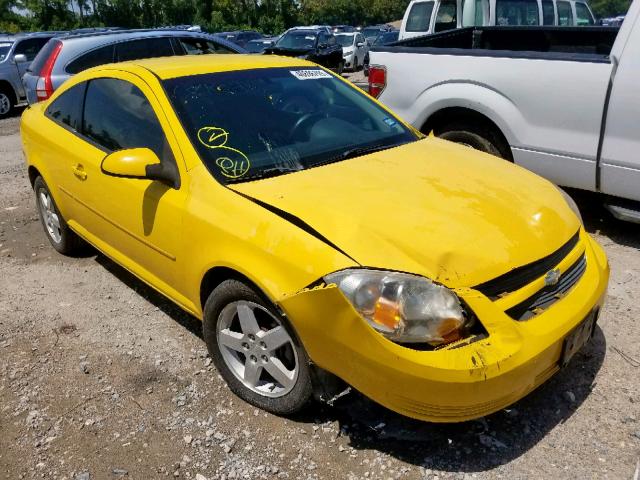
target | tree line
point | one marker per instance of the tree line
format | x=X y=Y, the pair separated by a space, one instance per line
x=267 y=16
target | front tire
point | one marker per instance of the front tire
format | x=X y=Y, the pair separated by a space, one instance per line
x=255 y=350
x=7 y=103
x=477 y=138
x=61 y=237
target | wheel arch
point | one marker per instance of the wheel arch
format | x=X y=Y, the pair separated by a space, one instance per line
x=440 y=119
x=33 y=173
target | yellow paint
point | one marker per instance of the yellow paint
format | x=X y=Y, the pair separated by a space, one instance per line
x=430 y=208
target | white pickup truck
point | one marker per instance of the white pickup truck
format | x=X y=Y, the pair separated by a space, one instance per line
x=561 y=101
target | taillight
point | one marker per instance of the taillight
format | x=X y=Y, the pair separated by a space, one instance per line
x=44 y=87
x=377 y=80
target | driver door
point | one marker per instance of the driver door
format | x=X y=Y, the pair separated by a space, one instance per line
x=136 y=221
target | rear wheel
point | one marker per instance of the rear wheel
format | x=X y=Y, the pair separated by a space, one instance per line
x=255 y=349
x=61 y=237
x=7 y=102
x=340 y=69
x=475 y=137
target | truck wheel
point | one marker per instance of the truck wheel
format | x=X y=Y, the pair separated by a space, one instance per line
x=479 y=139
x=7 y=102
x=255 y=350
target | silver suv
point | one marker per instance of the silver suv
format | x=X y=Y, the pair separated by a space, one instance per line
x=16 y=53
x=68 y=55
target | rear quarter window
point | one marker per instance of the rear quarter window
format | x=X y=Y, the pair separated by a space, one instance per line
x=96 y=57
x=66 y=110
x=144 y=48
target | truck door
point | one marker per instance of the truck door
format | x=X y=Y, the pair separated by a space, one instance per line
x=619 y=160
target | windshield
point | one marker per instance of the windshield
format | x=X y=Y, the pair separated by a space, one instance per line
x=256 y=46
x=4 y=50
x=345 y=40
x=297 y=40
x=385 y=38
x=252 y=124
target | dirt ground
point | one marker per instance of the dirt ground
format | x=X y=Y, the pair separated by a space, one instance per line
x=102 y=378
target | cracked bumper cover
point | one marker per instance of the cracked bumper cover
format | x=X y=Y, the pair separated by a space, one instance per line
x=446 y=385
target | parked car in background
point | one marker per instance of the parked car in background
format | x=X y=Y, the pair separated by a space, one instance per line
x=315 y=45
x=343 y=29
x=16 y=54
x=612 y=21
x=239 y=37
x=371 y=32
x=432 y=16
x=385 y=38
x=477 y=86
x=68 y=55
x=324 y=28
x=262 y=196
x=354 y=49
x=259 y=45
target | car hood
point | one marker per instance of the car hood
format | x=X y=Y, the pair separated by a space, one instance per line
x=433 y=208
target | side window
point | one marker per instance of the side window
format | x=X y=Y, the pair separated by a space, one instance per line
x=447 y=16
x=583 y=15
x=548 y=14
x=96 y=57
x=517 y=12
x=30 y=47
x=323 y=38
x=565 y=15
x=144 y=48
x=332 y=40
x=475 y=13
x=67 y=108
x=419 y=17
x=117 y=116
x=200 y=46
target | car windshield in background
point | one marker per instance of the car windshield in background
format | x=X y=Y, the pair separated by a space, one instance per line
x=345 y=40
x=297 y=40
x=252 y=124
x=385 y=38
x=256 y=46
x=4 y=50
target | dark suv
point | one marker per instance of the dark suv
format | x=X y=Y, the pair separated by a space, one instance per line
x=68 y=55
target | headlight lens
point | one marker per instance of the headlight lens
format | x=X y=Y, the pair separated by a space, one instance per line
x=404 y=308
x=572 y=204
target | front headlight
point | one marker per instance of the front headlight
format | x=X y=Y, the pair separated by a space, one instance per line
x=572 y=204
x=404 y=308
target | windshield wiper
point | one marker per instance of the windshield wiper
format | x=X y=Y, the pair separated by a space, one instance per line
x=266 y=173
x=357 y=152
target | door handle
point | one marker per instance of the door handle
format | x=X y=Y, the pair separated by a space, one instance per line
x=78 y=171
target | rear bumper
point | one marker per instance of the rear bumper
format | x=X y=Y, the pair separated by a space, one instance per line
x=447 y=385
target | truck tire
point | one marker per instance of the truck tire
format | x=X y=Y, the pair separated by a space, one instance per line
x=7 y=102
x=480 y=139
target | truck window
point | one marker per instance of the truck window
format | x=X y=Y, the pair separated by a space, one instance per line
x=583 y=15
x=517 y=12
x=447 y=16
x=475 y=13
x=548 y=13
x=419 y=17
x=565 y=15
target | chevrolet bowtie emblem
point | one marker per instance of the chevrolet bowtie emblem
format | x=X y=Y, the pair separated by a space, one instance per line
x=552 y=277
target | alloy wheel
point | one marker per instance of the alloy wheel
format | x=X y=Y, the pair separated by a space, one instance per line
x=50 y=216
x=5 y=103
x=257 y=349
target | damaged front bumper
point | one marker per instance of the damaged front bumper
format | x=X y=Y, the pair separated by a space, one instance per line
x=464 y=381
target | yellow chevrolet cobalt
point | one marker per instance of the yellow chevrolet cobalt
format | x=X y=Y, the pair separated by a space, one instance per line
x=316 y=235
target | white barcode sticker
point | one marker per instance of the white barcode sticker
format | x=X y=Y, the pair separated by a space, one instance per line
x=309 y=74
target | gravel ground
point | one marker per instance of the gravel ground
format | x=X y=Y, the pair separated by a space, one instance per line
x=102 y=378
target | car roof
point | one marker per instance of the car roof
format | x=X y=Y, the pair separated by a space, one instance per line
x=189 y=65
x=127 y=34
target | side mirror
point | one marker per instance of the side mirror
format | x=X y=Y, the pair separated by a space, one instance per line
x=20 y=58
x=140 y=163
x=359 y=44
x=322 y=46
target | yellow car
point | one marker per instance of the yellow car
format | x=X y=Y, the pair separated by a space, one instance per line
x=316 y=235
